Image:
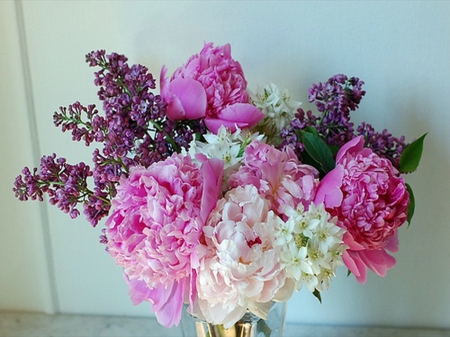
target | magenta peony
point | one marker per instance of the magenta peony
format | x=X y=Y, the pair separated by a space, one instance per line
x=241 y=268
x=154 y=230
x=371 y=201
x=278 y=176
x=211 y=85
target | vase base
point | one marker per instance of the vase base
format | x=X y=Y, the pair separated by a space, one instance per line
x=248 y=326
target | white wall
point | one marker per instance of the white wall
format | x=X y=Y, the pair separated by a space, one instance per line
x=24 y=271
x=400 y=49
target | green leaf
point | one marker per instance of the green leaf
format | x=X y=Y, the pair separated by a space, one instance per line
x=334 y=149
x=319 y=151
x=262 y=326
x=412 y=204
x=316 y=293
x=311 y=129
x=307 y=159
x=410 y=158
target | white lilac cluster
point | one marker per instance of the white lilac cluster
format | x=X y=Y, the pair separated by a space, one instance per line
x=278 y=109
x=312 y=246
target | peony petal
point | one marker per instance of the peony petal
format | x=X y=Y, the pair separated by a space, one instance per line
x=212 y=171
x=351 y=243
x=175 y=110
x=353 y=146
x=241 y=113
x=163 y=80
x=354 y=263
x=214 y=125
x=137 y=290
x=260 y=309
x=329 y=190
x=158 y=296
x=392 y=242
x=235 y=315
x=187 y=100
x=167 y=303
x=378 y=261
x=284 y=293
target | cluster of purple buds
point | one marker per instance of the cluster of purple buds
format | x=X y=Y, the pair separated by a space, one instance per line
x=335 y=99
x=338 y=95
x=71 y=119
x=65 y=184
x=383 y=143
x=132 y=131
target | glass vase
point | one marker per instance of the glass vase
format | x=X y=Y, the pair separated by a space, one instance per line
x=249 y=325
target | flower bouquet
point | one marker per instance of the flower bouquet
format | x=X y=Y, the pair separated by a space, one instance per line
x=220 y=201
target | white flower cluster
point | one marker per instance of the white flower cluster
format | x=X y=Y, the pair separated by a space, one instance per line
x=279 y=110
x=226 y=145
x=312 y=246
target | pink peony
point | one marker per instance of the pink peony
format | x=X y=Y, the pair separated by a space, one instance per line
x=211 y=85
x=154 y=230
x=278 y=176
x=371 y=201
x=241 y=268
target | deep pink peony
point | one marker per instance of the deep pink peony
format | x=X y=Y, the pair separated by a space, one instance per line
x=154 y=230
x=371 y=201
x=211 y=85
x=241 y=268
x=278 y=176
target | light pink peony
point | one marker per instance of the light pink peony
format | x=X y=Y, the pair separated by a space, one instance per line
x=241 y=268
x=154 y=230
x=278 y=176
x=211 y=85
x=371 y=201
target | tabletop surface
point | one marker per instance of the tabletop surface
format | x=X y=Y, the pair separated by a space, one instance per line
x=20 y=324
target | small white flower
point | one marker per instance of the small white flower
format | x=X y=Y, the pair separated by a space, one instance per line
x=318 y=260
x=310 y=281
x=311 y=246
x=224 y=145
x=296 y=262
x=284 y=235
x=279 y=110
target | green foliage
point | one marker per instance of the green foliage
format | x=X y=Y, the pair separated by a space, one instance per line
x=316 y=293
x=262 y=326
x=317 y=150
x=409 y=161
x=412 y=204
x=410 y=158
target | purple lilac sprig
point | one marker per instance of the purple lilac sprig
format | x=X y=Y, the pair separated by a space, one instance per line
x=335 y=99
x=71 y=119
x=136 y=117
x=132 y=131
x=383 y=143
x=65 y=184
